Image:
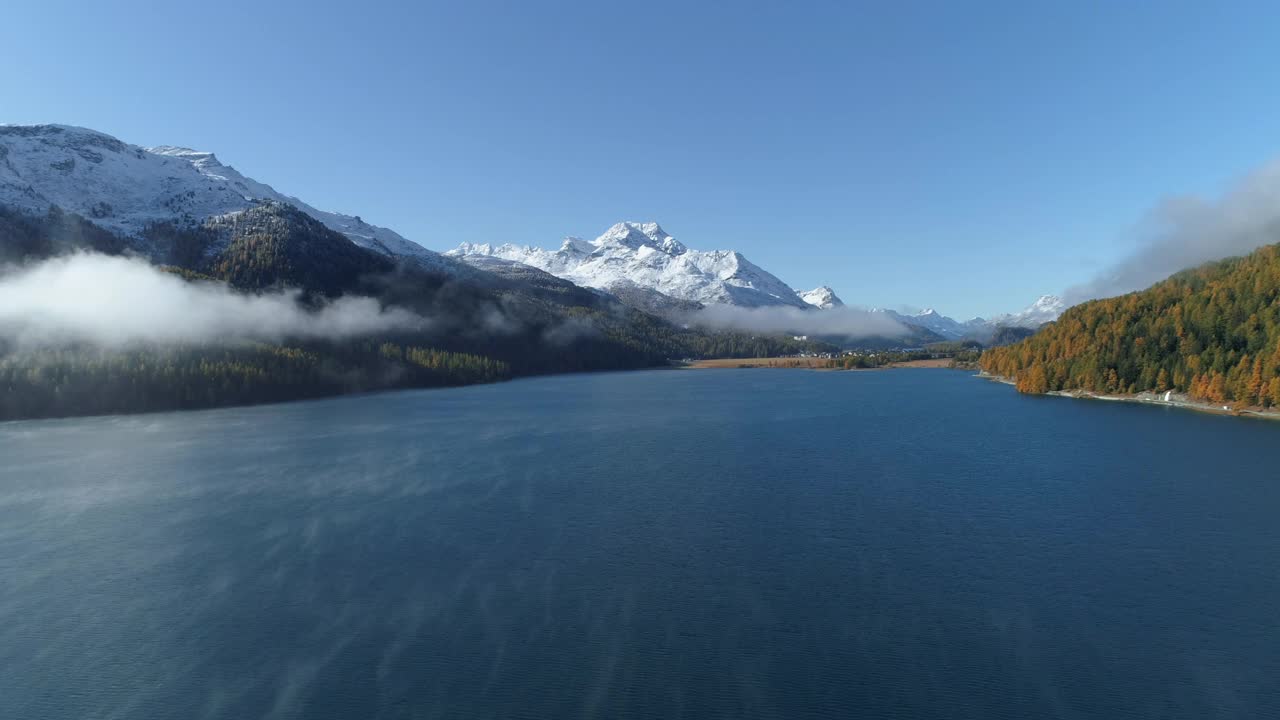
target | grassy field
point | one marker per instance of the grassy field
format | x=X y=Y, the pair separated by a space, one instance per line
x=930 y=363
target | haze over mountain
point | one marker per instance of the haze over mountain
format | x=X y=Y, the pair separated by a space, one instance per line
x=1045 y=309
x=1184 y=231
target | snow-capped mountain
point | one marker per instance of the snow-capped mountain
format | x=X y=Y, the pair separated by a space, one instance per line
x=823 y=298
x=125 y=188
x=1046 y=309
x=933 y=321
x=1043 y=310
x=643 y=255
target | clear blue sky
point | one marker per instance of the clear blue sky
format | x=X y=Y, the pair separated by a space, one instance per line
x=968 y=156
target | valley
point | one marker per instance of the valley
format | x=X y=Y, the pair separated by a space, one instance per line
x=639 y=361
x=634 y=297
x=73 y=199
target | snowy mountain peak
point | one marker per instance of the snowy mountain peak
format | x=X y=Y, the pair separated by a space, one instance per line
x=124 y=188
x=1045 y=309
x=1048 y=303
x=643 y=255
x=637 y=235
x=931 y=320
x=577 y=245
x=823 y=298
x=467 y=248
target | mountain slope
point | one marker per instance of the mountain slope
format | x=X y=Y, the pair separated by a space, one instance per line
x=1005 y=335
x=509 y=322
x=24 y=236
x=1212 y=332
x=644 y=255
x=383 y=240
x=126 y=188
x=478 y=324
x=275 y=245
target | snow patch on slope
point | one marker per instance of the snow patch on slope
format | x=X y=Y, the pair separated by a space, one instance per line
x=361 y=233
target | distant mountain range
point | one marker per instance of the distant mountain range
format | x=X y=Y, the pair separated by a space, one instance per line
x=130 y=190
x=632 y=255
x=1045 y=309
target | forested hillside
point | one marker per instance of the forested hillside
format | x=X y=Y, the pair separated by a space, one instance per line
x=1212 y=332
x=479 y=326
x=1005 y=335
x=84 y=381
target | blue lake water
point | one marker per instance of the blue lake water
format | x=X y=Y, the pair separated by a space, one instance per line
x=668 y=544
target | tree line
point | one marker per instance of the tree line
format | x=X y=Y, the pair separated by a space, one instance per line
x=89 y=381
x=1212 y=332
x=483 y=328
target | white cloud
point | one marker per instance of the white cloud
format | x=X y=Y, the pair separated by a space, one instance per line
x=1186 y=231
x=845 y=322
x=114 y=301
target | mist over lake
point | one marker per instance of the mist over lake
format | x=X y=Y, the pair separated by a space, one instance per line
x=659 y=544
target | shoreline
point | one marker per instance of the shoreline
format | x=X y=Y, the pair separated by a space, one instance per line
x=795 y=363
x=1179 y=401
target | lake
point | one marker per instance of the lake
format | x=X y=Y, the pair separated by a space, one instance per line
x=665 y=544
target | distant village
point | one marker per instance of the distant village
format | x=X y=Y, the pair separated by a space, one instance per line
x=856 y=352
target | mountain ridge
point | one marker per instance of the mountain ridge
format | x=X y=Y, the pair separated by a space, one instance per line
x=125 y=188
x=645 y=255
